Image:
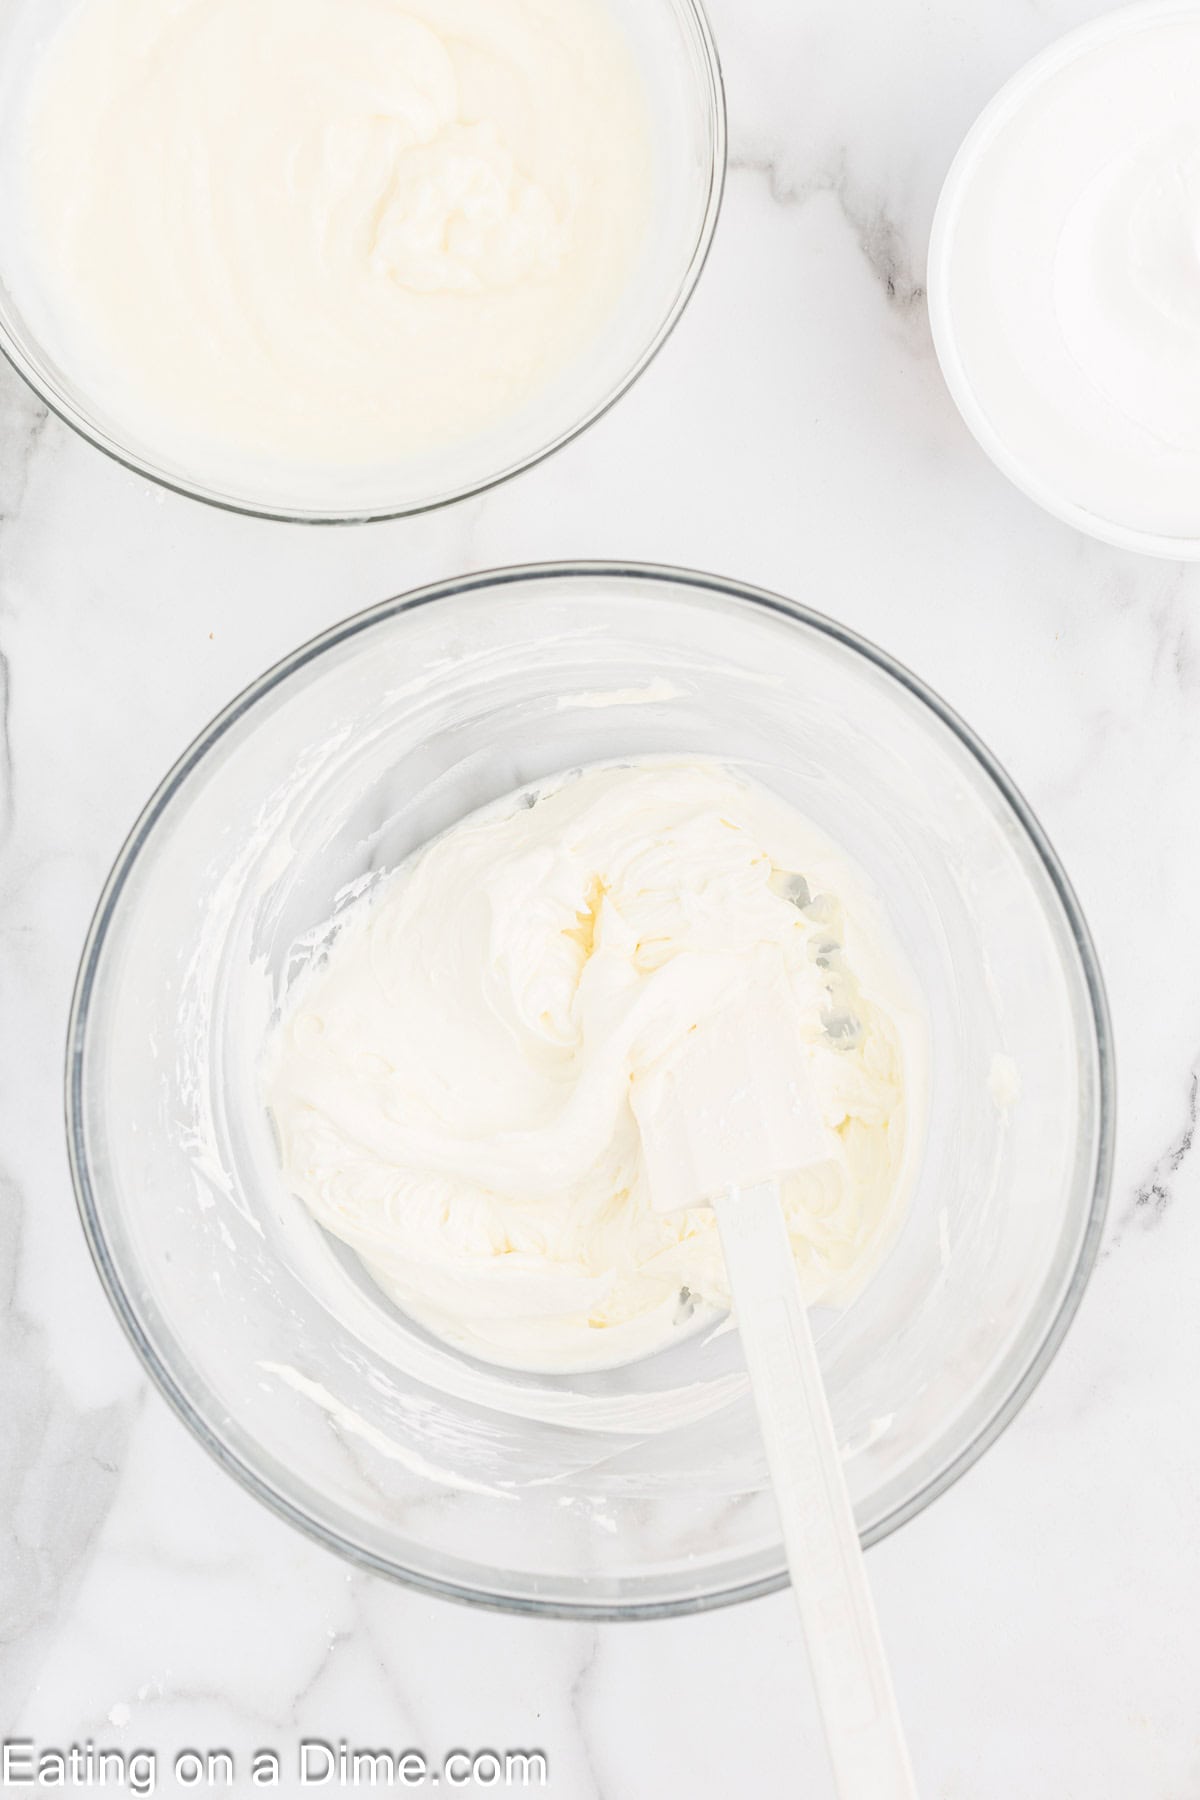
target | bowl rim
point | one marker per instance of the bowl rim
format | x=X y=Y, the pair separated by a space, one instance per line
x=61 y=405
x=665 y=577
x=1008 y=101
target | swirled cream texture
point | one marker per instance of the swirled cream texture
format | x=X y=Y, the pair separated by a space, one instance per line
x=1073 y=283
x=343 y=231
x=451 y=1088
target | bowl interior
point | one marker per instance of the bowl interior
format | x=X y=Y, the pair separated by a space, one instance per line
x=642 y=1487
x=677 y=63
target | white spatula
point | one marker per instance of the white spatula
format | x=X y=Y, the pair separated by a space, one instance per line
x=721 y=1121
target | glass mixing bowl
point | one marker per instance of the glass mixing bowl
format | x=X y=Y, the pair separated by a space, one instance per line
x=638 y=1490
x=677 y=59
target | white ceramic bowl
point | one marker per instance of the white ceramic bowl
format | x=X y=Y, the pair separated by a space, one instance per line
x=1019 y=464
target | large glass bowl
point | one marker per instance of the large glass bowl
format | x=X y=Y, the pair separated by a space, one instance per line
x=640 y=1490
x=677 y=59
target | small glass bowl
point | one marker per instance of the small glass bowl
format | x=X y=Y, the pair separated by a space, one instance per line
x=677 y=59
x=639 y=1490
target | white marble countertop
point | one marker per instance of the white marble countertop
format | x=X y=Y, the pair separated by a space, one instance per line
x=1044 y=1616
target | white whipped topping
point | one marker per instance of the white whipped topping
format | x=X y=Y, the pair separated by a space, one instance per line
x=1074 y=276
x=451 y=1085
x=341 y=230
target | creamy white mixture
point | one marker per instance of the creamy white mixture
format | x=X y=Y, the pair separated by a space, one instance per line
x=1074 y=276
x=452 y=1086
x=334 y=230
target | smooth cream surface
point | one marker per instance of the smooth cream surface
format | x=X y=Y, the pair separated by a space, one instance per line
x=341 y=231
x=451 y=1087
x=1074 y=277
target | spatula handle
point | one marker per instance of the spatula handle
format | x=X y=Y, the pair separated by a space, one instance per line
x=829 y=1578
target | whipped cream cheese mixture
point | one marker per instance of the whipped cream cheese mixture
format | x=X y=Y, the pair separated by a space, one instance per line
x=335 y=230
x=1074 y=278
x=451 y=1085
